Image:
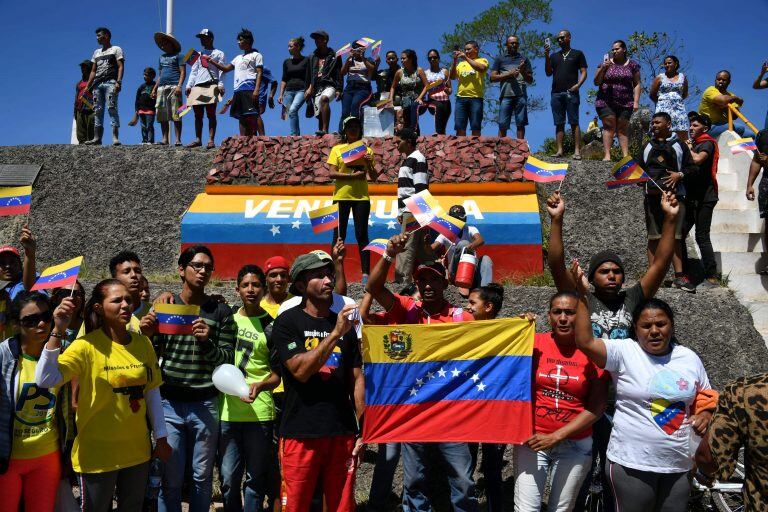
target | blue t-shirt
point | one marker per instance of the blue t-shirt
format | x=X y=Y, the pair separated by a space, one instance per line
x=266 y=79
x=169 y=69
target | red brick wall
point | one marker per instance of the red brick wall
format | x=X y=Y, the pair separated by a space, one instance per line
x=302 y=160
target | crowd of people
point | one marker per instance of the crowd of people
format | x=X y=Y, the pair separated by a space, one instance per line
x=326 y=76
x=93 y=391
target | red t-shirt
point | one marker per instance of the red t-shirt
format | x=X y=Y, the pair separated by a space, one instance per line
x=405 y=310
x=562 y=377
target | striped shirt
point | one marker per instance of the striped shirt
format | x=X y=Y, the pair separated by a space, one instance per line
x=186 y=364
x=412 y=178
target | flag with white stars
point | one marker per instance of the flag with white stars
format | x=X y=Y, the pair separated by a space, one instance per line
x=448 y=382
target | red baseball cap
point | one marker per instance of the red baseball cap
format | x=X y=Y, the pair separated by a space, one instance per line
x=276 y=262
x=434 y=267
x=10 y=248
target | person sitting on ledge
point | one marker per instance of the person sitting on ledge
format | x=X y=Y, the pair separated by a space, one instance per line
x=715 y=101
x=469 y=241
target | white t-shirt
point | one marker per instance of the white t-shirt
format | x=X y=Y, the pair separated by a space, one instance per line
x=245 y=70
x=466 y=234
x=654 y=397
x=339 y=301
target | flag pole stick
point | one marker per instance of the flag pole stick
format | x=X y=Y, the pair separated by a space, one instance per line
x=560 y=186
x=657 y=185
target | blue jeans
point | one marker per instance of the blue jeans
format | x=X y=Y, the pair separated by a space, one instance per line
x=483 y=270
x=292 y=102
x=383 y=475
x=513 y=105
x=565 y=104
x=245 y=445
x=193 y=433
x=147 y=127
x=104 y=94
x=719 y=129
x=468 y=109
x=459 y=469
x=351 y=101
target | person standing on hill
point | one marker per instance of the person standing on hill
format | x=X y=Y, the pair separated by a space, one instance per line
x=669 y=91
x=759 y=164
x=568 y=69
x=470 y=91
x=105 y=82
x=84 y=105
x=514 y=73
x=762 y=83
x=145 y=107
x=167 y=93
x=294 y=83
x=325 y=82
x=204 y=88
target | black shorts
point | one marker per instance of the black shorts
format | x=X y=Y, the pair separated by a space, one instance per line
x=615 y=111
x=654 y=217
x=243 y=105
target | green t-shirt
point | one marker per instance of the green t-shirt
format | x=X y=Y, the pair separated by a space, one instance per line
x=252 y=356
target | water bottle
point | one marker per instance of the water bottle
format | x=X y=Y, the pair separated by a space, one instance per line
x=155 y=479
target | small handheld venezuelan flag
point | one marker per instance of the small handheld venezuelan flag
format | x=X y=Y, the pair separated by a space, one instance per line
x=344 y=50
x=354 y=151
x=365 y=41
x=15 y=200
x=626 y=172
x=175 y=318
x=183 y=110
x=424 y=207
x=191 y=56
x=324 y=219
x=447 y=226
x=57 y=276
x=376 y=49
x=544 y=172
x=742 y=145
x=378 y=245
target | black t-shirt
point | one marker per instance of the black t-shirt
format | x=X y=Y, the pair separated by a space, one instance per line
x=613 y=319
x=700 y=186
x=296 y=73
x=565 y=69
x=324 y=405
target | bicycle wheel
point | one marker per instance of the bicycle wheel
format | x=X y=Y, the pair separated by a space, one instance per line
x=728 y=496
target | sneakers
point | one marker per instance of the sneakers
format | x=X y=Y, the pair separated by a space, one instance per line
x=683 y=283
x=708 y=285
x=364 y=280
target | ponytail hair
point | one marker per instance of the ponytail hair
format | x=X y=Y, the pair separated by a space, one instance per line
x=93 y=320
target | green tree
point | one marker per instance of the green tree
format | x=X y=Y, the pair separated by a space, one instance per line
x=491 y=28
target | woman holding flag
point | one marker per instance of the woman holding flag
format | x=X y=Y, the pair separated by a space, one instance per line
x=351 y=164
x=437 y=94
x=119 y=379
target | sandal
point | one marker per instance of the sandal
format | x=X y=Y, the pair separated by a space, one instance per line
x=178 y=144
x=194 y=144
x=211 y=145
x=161 y=143
x=577 y=157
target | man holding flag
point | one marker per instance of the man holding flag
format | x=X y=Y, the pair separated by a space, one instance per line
x=19 y=276
x=434 y=308
x=190 y=400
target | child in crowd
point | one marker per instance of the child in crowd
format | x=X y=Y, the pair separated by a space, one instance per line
x=145 y=107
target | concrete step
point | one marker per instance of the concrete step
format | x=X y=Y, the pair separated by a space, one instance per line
x=734 y=200
x=729 y=162
x=728 y=181
x=738 y=242
x=749 y=287
x=759 y=312
x=736 y=221
x=740 y=263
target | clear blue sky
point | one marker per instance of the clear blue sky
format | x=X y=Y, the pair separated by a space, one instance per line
x=46 y=40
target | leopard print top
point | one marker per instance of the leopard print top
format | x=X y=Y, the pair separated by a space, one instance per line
x=742 y=419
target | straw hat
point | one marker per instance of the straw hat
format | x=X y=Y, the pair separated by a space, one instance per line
x=162 y=36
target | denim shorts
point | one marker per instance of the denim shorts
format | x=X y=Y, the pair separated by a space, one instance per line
x=517 y=105
x=468 y=109
x=565 y=103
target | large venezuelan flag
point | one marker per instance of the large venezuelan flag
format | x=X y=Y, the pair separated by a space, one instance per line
x=462 y=382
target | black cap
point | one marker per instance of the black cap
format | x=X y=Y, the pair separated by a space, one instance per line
x=320 y=33
x=457 y=211
x=602 y=257
x=206 y=32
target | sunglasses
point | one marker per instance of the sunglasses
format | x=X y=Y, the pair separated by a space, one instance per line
x=34 y=320
x=201 y=266
x=561 y=38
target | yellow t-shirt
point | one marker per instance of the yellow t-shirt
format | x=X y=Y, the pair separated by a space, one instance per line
x=134 y=324
x=111 y=420
x=471 y=82
x=35 y=432
x=718 y=115
x=349 y=189
x=272 y=309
